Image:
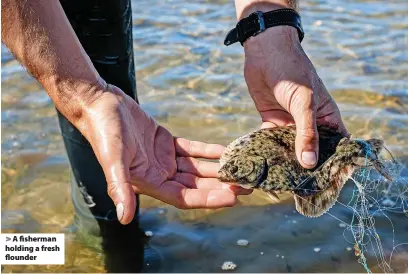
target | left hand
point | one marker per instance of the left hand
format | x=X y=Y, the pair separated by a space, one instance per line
x=286 y=89
x=139 y=156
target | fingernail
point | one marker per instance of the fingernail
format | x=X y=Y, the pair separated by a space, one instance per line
x=119 y=211
x=309 y=158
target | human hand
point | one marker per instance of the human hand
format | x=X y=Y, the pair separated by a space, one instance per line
x=286 y=89
x=137 y=155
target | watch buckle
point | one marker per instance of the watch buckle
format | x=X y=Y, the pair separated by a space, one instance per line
x=261 y=22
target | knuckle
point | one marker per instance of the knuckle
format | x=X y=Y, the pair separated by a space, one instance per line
x=180 y=161
x=179 y=201
x=111 y=188
x=197 y=180
x=178 y=177
x=305 y=93
x=206 y=149
x=191 y=147
x=309 y=134
x=301 y=98
x=197 y=164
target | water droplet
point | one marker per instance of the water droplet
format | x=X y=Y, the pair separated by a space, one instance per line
x=349 y=248
x=149 y=233
x=228 y=266
x=17 y=144
x=261 y=253
x=339 y=9
x=294 y=221
x=342 y=225
x=283 y=257
x=388 y=203
x=242 y=242
x=316 y=249
x=318 y=23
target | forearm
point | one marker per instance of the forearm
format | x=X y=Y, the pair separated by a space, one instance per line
x=40 y=36
x=246 y=7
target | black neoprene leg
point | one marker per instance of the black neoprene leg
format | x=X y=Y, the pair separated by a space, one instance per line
x=104 y=29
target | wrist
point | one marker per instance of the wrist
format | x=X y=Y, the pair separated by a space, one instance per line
x=276 y=36
x=272 y=39
x=74 y=97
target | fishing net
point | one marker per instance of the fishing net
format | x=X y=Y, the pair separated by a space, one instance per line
x=373 y=198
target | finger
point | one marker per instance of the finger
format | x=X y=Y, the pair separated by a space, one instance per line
x=276 y=118
x=197 y=167
x=179 y=196
x=189 y=148
x=307 y=137
x=192 y=181
x=120 y=191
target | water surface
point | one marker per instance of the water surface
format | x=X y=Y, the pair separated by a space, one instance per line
x=194 y=86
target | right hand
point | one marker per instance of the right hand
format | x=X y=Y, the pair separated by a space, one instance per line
x=286 y=90
x=137 y=155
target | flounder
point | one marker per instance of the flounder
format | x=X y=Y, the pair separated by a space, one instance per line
x=265 y=159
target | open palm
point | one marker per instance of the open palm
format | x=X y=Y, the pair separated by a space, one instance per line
x=138 y=155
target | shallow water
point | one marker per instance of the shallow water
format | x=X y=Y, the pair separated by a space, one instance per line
x=188 y=80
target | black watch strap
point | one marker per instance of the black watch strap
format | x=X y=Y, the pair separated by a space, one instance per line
x=258 y=21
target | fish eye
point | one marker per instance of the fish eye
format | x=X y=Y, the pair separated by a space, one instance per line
x=233 y=169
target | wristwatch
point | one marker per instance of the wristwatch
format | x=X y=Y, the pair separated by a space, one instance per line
x=258 y=22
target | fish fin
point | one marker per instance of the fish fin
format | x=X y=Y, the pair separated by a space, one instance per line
x=230 y=150
x=343 y=141
x=382 y=170
x=316 y=205
x=272 y=194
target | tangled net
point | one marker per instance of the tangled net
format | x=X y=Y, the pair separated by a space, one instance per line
x=373 y=197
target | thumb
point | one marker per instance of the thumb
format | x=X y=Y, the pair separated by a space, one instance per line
x=307 y=136
x=120 y=190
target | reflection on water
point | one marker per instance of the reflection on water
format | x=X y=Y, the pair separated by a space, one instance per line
x=188 y=80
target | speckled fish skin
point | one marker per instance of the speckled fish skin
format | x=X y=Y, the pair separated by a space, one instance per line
x=266 y=159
